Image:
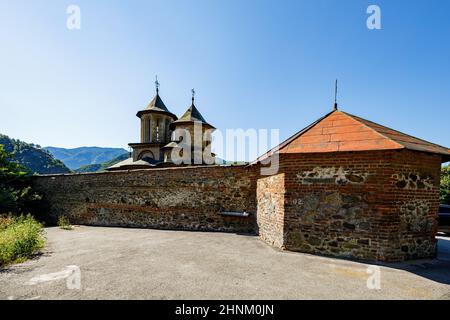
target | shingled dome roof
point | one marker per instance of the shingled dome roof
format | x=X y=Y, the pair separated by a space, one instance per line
x=192 y=115
x=130 y=164
x=156 y=105
x=339 y=131
x=171 y=145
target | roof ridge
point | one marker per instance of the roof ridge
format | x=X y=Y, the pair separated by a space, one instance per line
x=405 y=134
x=291 y=138
x=365 y=125
x=304 y=130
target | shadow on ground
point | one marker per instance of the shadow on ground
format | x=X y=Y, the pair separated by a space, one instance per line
x=436 y=270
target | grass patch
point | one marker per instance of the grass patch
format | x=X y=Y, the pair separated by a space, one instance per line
x=20 y=238
x=64 y=223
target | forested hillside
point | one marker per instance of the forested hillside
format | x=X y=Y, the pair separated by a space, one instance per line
x=83 y=156
x=32 y=157
x=102 y=166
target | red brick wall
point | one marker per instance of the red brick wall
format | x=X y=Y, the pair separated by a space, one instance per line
x=188 y=198
x=349 y=204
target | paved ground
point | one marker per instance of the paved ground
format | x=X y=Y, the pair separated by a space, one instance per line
x=119 y=263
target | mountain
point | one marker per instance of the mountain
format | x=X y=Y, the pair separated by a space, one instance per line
x=32 y=157
x=102 y=166
x=79 y=157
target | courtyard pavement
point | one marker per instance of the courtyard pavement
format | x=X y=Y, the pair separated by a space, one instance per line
x=116 y=263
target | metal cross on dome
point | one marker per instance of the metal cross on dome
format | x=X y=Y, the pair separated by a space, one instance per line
x=157 y=85
x=193 y=95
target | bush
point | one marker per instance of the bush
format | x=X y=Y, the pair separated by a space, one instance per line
x=16 y=195
x=20 y=238
x=64 y=223
x=444 y=192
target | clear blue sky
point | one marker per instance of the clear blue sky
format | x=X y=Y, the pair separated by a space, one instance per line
x=253 y=63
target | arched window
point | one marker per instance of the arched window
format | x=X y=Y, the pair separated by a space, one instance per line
x=147 y=155
x=168 y=132
x=149 y=129
x=157 y=130
x=143 y=136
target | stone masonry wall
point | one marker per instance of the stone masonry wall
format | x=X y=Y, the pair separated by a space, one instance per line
x=189 y=198
x=378 y=205
x=270 y=217
x=415 y=194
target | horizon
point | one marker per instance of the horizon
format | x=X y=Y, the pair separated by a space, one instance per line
x=84 y=87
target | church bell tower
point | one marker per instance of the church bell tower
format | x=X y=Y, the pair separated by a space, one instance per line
x=156 y=131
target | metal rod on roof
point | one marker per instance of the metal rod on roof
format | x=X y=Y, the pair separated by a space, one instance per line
x=335 y=95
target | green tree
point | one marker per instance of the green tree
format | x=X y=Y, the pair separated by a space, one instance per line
x=16 y=195
x=444 y=192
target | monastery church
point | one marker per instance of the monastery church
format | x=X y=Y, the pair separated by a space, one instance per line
x=159 y=142
x=345 y=187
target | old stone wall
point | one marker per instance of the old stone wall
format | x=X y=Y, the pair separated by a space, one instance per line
x=377 y=205
x=189 y=198
x=270 y=217
x=415 y=195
